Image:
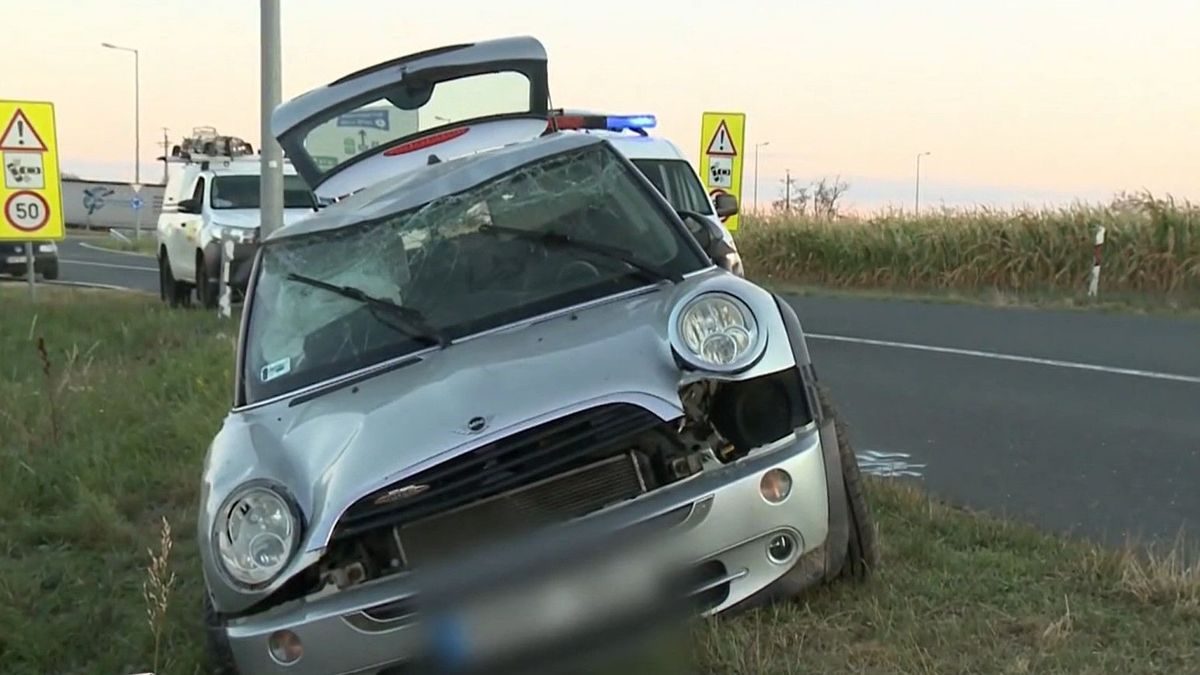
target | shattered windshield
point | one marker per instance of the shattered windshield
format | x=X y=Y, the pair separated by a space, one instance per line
x=563 y=230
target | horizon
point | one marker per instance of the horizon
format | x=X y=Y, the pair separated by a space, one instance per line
x=1027 y=103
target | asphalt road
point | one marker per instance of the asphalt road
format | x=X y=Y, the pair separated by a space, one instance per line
x=1081 y=422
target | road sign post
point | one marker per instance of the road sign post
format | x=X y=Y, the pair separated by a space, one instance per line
x=31 y=192
x=135 y=203
x=722 y=138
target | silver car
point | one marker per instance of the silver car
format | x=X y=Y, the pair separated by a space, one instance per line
x=504 y=364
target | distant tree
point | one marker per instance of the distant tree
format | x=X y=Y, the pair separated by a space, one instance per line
x=792 y=197
x=825 y=197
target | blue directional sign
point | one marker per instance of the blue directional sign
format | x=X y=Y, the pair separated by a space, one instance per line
x=136 y=202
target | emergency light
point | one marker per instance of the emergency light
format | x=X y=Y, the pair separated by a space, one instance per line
x=635 y=123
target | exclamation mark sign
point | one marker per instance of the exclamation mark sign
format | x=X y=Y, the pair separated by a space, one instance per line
x=20 y=132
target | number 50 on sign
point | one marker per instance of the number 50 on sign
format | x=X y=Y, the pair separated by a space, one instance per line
x=30 y=193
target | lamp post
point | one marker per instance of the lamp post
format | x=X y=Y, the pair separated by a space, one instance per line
x=917 y=204
x=137 y=111
x=270 y=66
x=756 y=147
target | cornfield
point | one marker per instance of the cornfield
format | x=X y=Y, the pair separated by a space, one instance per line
x=1152 y=245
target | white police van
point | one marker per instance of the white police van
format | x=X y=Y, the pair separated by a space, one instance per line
x=212 y=194
x=661 y=162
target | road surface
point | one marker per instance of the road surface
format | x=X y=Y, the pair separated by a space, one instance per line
x=1080 y=422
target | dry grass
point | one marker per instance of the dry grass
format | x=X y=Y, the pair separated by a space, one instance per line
x=1152 y=247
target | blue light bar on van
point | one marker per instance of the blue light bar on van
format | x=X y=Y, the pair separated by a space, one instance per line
x=634 y=122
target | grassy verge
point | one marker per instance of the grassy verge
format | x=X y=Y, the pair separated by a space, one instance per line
x=1151 y=254
x=104 y=431
x=147 y=245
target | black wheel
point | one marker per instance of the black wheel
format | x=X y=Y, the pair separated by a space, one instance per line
x=51 y=273
x=206 y=291
x=862 y=555
x=174 y=293
x=216 y=644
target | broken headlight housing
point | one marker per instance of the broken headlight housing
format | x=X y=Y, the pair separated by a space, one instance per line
x=716 y=331
x=256 y=535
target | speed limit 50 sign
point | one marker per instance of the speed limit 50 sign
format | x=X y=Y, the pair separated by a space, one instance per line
x=31 y=192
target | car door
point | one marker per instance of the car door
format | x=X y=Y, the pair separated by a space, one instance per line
x=186 y=233
x=406 y=113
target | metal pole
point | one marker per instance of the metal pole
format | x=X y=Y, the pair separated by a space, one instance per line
x=30 y=271
x=137 y=120
x=756 y=147
x=271 y=196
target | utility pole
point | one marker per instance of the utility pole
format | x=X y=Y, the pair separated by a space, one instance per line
x=166 y=143
x=271 y=186
x=787 y=191
x=917 y=201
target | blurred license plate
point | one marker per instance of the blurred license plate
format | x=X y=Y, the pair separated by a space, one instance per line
x=13 y=260
x=523 y=616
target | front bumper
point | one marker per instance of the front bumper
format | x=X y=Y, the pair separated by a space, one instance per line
x=15 y=263
x=240 y=266
x=724 y=519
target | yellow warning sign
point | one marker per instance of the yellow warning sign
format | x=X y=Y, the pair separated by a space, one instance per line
x=722 y=136
x=31 y=193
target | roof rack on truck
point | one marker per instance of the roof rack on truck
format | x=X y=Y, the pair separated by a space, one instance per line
x=206 y=144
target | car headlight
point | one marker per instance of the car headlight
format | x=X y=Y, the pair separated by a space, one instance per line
x=47 y=248
x=717 y=331
x=256 y=535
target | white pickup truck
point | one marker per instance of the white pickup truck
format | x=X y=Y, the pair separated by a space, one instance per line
x=213 y=194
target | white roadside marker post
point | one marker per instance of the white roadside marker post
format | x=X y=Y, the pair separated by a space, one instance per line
x=1094 y=282
x=225 y=304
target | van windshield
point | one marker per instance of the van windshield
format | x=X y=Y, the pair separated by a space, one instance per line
x=677 y=182
x=242 y=192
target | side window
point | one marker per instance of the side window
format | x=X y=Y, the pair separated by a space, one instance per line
x=198 y=193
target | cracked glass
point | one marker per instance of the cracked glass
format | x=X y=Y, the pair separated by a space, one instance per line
x=444 y=262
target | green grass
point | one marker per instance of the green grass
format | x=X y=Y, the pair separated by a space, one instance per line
x=96 y=453
x=147 y=245
x=1152 y=251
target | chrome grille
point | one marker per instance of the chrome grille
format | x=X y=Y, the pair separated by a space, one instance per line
x=559 y=498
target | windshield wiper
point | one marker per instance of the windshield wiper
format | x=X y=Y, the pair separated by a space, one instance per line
x=621 y=255
x=412 y=321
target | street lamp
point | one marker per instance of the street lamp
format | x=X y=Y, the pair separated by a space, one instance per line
x=917 y=205
x=137 y=106
x=756 y=147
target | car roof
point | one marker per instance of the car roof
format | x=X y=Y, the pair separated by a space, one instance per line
x=414 y=188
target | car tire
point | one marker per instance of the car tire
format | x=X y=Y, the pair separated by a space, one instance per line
x=51 y=273
x=216 y=644
x=206 y=291
x=174 y=293
x=862 y=555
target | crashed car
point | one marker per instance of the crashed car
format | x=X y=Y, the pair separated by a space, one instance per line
x=500 y=357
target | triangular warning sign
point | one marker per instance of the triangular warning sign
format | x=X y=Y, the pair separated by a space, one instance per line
x=20 y=135
x=722 y=142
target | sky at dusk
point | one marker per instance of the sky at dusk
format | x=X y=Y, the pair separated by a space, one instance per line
x=1019 y=101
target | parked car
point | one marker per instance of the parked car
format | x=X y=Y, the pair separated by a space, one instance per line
x=213 y=194
x=13 y=259
x=499 y=355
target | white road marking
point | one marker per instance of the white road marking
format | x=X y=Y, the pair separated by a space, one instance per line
x=93 y=247
x=99 y=264
x=1190 y=379
x=889 y=464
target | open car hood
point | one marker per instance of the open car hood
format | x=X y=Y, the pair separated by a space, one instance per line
x=393 y=117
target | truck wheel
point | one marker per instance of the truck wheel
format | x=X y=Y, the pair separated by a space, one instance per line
x=862 y=556
x=51 y=273
x=216 y=644
x=173 y=293
x=206 y=291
